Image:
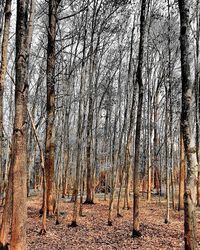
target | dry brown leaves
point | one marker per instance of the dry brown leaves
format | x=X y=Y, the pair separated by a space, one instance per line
x=93 y=233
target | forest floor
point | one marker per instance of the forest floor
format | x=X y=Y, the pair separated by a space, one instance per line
x=94 y=233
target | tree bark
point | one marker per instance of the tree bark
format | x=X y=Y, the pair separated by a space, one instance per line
x=186 y=126
x=80 y=129
x=8 y=202
x=7 y=213
x=50 y=124
x=181 y=175
x=19 y=147
x=1 y=16
x=136 y=185
x=3 y=69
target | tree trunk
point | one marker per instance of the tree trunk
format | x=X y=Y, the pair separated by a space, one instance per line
x=19 y=147
x=64 y=181
x=3 y=69
x=8 y=201
x=50 y=124
x=186 y=126
x=181 y=175
x=7 y=213
x=80 y=129
x=156 y=179
x=113 y=173
x=166 y=159
x=1 y=16
x=136 y=185
x=149 y=186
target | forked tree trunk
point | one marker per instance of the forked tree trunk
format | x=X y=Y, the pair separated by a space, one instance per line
x=186 y=126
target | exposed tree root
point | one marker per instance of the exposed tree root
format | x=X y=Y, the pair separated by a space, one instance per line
x=89 y=202
x=166 y=221
x=136 y=234
x=43 y=232
x=73 y=224
x=4 y=247
x=110 y=223
x=82 y=215
x=41 y=212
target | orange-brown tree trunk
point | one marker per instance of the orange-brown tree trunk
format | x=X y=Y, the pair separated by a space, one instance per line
x=50 y=124
x=6 y=218
x=19 y=147
x=156 y=177
x=7 y=213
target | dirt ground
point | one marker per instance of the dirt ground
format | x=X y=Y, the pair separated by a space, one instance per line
x=93 y=233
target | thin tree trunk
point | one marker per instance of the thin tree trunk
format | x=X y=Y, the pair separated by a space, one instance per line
x=3 y=69
x=6 y=218
x=156 y=179
x=166 y=159
x=1 y=16
x=113 y=174
x=43 y=230
x=7 y=214
x=149 y=186
x=79 y=135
